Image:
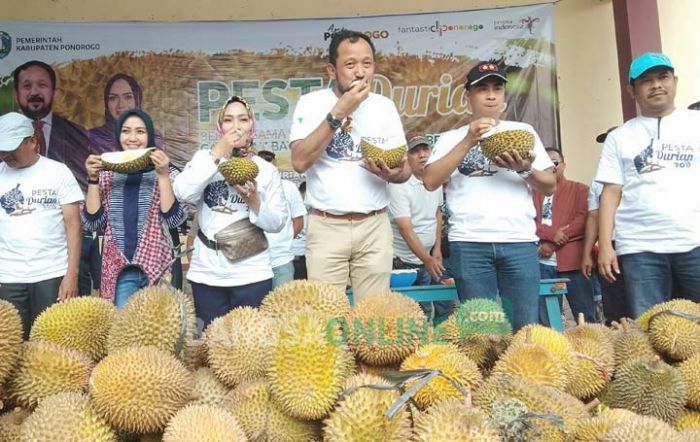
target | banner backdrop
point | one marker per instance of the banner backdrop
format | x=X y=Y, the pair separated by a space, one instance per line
x=185 y=71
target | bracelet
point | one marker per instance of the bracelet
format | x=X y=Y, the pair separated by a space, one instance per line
x=93 y=181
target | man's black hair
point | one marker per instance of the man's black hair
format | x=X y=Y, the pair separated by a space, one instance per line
x=554 y=149
x=27 y=65
x=342 y=35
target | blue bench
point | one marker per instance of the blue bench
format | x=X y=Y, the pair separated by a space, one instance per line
x=551 y=289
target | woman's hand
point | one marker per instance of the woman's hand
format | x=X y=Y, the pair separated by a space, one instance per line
x=249 y=193
x=161 y=162
x=93 y=165
x=228 y=141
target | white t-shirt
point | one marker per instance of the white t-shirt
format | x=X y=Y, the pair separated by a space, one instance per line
x=281 y=242
x=335 y=182
x=657 y=163
x=412 y=200
x=33 y=242
x=594 y=192
x=547 y=214
x=219 y=205
x=487 y=203
x=299 y=243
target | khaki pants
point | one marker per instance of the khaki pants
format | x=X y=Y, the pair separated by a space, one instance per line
x=362 y=250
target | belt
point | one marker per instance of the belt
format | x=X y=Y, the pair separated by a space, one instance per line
x=206 y=241
x=352 y=216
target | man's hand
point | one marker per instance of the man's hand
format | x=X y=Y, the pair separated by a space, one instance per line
x=434 y=266
x=379 y=168
x=545 y=250
x=514 y=161
x=68 y=288
x=587 y=266
x=478 y=128
x=561 y=238
x=351 y=99
x=607 y=263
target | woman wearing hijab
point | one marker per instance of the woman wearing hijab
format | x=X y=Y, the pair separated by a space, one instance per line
x=131 y=209
x=122 y=93
x=219 y=283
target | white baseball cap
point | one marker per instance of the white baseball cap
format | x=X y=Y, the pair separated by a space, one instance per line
x=14 y=128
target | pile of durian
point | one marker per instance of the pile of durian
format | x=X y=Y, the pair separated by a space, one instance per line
x=305 y=366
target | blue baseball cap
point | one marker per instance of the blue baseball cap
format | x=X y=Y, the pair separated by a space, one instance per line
x=648 y=61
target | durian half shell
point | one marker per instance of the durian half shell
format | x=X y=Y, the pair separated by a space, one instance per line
x=127 y=161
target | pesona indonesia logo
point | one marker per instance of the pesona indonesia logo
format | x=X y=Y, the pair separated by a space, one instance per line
x=529 y=23
x=332 y=30
x=5 y=44
x=441 y=28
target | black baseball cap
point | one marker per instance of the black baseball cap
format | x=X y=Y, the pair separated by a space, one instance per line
x=485 y=69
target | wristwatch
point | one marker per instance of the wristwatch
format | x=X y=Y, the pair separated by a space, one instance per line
x=333 y=122
x=525 y=174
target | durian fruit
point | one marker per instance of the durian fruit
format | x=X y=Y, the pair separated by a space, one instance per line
x=302 y=295
x=359 y=414
x=391 y=157
x=10 y=339
x=648 y=387
x=208 y=390
x=594 y=331
x=692 y=435
x=675 y=336
x=453 y=420
x=595 y=364
x=262 y=419
x=552 y=340
x=679 y=304
x=452 y=363
x=81 y=323
x=139 y=389
x=46 y=369
x=521 y=141
x=238 y=170
x=195 y=354
x=237 y=344
x=386 y=328
x=534 y=362
x=642 y=429
x=204 y=423
x=127 y=161
x=153 y=316
x=517 y=423
x=479 y=316
x=66 y=417
x=11 y=424
x=593 y=428
x=688 y=420
x=306 y=367
x=690 y=372
x=537 y=398
x=630 y=343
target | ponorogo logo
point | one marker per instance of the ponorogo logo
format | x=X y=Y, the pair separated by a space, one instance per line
x=5 y=44
x=332 y=29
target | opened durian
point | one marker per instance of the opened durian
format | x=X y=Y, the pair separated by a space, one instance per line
x=127 y=161
x=521 y=141
x=391 y=157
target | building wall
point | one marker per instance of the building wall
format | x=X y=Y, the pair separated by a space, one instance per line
x=589 y=89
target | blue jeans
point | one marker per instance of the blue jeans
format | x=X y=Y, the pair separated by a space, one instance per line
x=130 y=280
x=511 y=270
x=651 y=278
x=579 y=293
x=282 y=274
